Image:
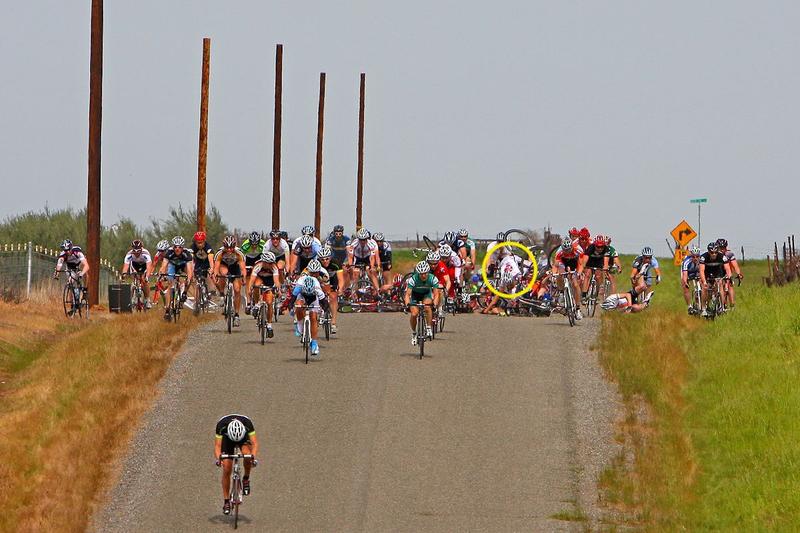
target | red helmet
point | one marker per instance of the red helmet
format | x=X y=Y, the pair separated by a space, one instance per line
x=585 y=233
x=200 y=236
x=600 y=240
x=574 y=232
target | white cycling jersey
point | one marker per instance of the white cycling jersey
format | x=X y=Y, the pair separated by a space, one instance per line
x=454 y=261
x=362 y=251
x=498 y=254
x=143 y=258
x=311 y=301
x=281 y=249
x=509 y=269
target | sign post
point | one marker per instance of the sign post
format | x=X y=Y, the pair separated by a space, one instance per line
x=699 y=202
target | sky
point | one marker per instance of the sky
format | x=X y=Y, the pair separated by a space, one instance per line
x=484 y=115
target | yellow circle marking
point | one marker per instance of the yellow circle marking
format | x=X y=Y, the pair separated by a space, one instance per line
x=533 y=263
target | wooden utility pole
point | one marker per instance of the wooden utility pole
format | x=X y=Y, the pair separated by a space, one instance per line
x=95 y=129
x=320 y=130
x=276 y=148
x=202 y=155
x=360 y=185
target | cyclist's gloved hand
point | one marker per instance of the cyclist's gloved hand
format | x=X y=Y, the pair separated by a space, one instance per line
x=218 y=462
x=658 y=278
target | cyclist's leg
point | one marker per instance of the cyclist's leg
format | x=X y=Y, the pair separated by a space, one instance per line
x=414 y=311
x=255 y=293
x=428 y=310
x=314 y=323
x=237 y=295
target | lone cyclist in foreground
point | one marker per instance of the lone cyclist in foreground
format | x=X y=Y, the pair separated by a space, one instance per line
x=234 y=431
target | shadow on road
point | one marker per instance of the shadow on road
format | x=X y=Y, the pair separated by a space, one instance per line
x=228 y=520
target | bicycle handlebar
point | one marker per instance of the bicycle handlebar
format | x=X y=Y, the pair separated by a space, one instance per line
x=236 y=456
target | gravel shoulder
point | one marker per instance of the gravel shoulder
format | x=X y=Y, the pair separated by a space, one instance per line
x=500 y=427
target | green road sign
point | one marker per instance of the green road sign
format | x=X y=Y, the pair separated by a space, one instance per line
x=698 y=201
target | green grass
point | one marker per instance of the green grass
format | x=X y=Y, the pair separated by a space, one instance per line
x=717 y=446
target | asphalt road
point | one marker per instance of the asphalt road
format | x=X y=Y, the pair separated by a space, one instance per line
x=484 y=434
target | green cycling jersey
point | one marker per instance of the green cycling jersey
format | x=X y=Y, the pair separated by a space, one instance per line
x=251 y=249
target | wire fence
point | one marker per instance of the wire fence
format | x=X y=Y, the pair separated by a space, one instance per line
x=26 y=268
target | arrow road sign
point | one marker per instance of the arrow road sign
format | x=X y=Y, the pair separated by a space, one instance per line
x=683 y=233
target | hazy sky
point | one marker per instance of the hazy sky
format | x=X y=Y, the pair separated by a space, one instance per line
x=479 y=114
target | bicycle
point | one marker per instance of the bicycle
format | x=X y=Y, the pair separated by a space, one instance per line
x=201 y=299
x=177 y=292
x=570 y=308
x=305 y=334
x=325 y=322
x=716 y=301
x=75 y=297
x=227 y=305
x=137 y=292
x=697 y=297
x=593 y=295
x=422 y=329
x=237 y=486
x=261 y=312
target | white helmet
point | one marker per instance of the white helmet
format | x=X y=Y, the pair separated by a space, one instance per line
x=178 y=241
x=696 y=250
x=163 y=246
x=307 y=230
x=610 y=303
x=362 y=234
x=306 y=241
x=422 y=267
x=314 y=266
x=236 y=430
x=433 y=257
x=445 y=250
x=268 y=257
x=325 y=253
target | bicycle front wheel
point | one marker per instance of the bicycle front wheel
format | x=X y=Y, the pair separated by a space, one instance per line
x=69 y=301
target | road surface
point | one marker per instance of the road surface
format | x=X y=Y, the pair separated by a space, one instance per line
x=490 y=432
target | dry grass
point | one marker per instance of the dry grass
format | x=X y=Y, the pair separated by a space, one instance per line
x=69 y=415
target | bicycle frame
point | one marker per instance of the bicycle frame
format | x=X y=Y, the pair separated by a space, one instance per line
x=305 y=335
x=569 y=297
x=237 y=488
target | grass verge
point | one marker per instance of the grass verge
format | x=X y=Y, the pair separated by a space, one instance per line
x=71 y=409
x=710 y=436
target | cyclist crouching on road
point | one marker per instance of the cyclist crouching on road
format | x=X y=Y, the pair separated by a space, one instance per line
x=234 y=431
x=422 y=287
x=230 y=260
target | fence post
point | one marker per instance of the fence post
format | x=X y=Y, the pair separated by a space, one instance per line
x=30 y=267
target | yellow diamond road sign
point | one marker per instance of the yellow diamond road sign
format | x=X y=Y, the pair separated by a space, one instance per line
x=683 y=233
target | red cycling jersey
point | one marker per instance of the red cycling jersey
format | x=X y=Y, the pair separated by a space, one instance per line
x=575 y=253
x=440 y=271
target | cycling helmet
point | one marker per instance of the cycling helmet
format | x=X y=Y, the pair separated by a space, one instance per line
x=362 y=234
x=284 y=234
x=255 y=237
x=647 y=251
x=712 y=247
x=178 y=241
x=200 y=236
x=722 y=243
x=267 y=257
x=449 y=237
x=445 y=250
x=501 y=236
x=137 y=245
x=610 y=303
x=325 y=253
x=66 y=245
x=306 y=241
x=162 y=246
x=433 y=257
x=574 y=232
x=274 y=234
x=600 y=240
x=307 y=230
x=608 y=239
x=236 y=430
x=463 y=233
x=695 y=250
x=229 y=241
x=566 y=246
x=314 y=266
x=308 y=286
x=422 y=267
x=584 y=233
x=338 y=227
x=398 y=279
x=378 y=236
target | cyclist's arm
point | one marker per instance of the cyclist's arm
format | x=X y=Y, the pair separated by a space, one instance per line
x=582 y=260
x=215 y=266
x=242 y=267
x=340 y=285
x=407 y=296
x=189 y=271
x=217 y=446
x=254 y=446
x=447 y=283
x=211 y=262
x=703 y=274
x=163 y=269
x=125 y=266
x=735 y=264
x=727 y=269
x=634 y=273
x=685 y=278
x=85 y=265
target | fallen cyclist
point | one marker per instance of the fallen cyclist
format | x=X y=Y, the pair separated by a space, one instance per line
x=627 y=302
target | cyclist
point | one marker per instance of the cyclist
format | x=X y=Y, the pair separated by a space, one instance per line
x=722 y=244
x=690 y=270
x=234 y=431
x=510 y=275
x=385 y=259
x=471 y=251
x=338 y=245
x=304 y=250
x=140 y=261
x=177 y=260
x=596 y=259
x=278 y=246
x=713 y=266
x=642 y=271
x=265 y=273
x=584 y=238
x=626 y=302
x=440 y=270
x=72 y=258
x=335 y=284
x=425 y=288
x=252 y=248
x=362 y=253
x=453 y=262
x=161 y=250
x=614 y=263
x=567 y=259
x=310 y=291
x=306 y=230
x=497 y=255
x=203 y=255
x=229 y=260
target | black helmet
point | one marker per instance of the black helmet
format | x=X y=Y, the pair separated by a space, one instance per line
x=137 y=245
x=255 y=236
x=722 y=243
x=712 y=247
x=338 y=227
x=274 y=234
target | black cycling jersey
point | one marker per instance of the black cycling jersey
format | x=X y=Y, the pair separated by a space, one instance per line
x=332 y=269
x=178 y=260
x=596 y=256
x=221 y=431
x=385 y=252
x=339 y=248
x=715 y=267
x=201 y=255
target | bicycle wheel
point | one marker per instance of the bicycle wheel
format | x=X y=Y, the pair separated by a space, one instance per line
x=421 y=333
x=235 y=501
x=262 y=322
x=442 y=316
x=327 y=326
x=569 y=303
x=591 y=303
x=229 y=309
x=69 y=301
x=84 y=306
x=306 y=335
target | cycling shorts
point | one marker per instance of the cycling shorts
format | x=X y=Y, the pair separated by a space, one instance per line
x=281 y=257
x=361 y=261
x=229 y=447
x=417 y=297
x=386 y=265
x=233 y=269
x=302 y=263
x=266 y=278
x=595 y=262
x=570 y=263
x=173 y=269
x=141 y=268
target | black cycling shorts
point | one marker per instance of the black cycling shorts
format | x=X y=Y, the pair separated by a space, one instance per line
x=141 y=268
x=233 y=269
x=229 y=447
x=595 y=262
x=266 y=278
x=386 y=265
x=361 y=261
x=570 y=263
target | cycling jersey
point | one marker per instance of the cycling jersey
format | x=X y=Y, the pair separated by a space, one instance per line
x=265 y=273
x=73 y=260
x=312 y=300
x=643 y=267
x=178 y=261
x=509 y=270
x=612 y=253
x=715 y=267
x=296 y=243
x=228 y=257
x=441 y=272
x=385 y=253
x=730 y=255
x=201 y=254
x=332 y=269
x=456 y=245
x=422 y=289
x=138 y=263
x=596 y=256
x=691 y=267
x=221 y=432
x=499 y=253
x=469 y=244
x=339 y=248
x=280 y=250
x=569 y=259
x=309 y=253
x=252 y=251
x=362 y=250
